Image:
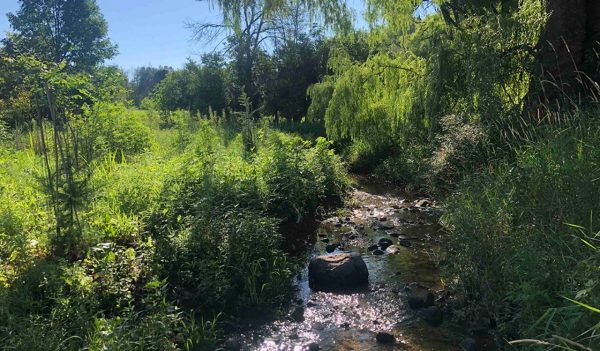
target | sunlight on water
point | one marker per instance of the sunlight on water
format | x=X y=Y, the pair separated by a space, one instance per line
x=350 y=321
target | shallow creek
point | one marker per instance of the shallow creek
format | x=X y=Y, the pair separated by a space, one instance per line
x=337 y=321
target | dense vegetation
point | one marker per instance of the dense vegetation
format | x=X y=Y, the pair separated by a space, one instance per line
x=145 y=214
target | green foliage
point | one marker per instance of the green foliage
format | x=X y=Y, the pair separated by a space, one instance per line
x=111 y=129
x=216 y=219
x=80 y=39
x=195 y=88
x=421 y=71
x=514 y=251
x=144 y=81
x=24 y=218
x=296 y=66
x=160 y=234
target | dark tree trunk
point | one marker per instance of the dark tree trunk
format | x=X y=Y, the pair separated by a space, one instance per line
x=591 y=59
x=566 y=57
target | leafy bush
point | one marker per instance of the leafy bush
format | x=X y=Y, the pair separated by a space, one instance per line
x=218 y=215
x=225 y=263
x=108 y=300
x=459 y=149
x=111 y=128
x=171 y=240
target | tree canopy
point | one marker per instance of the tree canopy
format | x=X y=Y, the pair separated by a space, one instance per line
x=73 y=31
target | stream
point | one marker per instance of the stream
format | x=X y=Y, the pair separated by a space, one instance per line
x=336 y=321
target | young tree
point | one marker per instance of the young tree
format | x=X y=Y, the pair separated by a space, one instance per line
x=73 y=31
x=145 y=80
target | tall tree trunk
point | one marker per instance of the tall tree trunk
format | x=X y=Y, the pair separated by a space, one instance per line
x=566 y=53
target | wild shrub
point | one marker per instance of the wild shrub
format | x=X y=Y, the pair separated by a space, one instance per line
x=170 y=241
x=107 y=300
x=299 y=177
x=406 y=166
x=217 y=217
x=224 y=263
x=24 y=218
x=110 y=128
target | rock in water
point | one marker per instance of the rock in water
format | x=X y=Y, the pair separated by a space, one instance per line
x=405 y=242
x=385 y=338
x=338 y=272
x=298 y=314
x=420 y=298
x=433 y=315
x=393 y=250
x=384 y=243
x=330 y=248
x=373 y=247
x=423 y=203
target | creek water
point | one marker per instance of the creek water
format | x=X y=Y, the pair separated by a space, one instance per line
x=336 y=321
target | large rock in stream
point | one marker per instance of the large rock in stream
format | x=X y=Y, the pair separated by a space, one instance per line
x=338 y=272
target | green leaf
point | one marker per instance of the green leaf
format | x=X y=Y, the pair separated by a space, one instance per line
x=593 y=309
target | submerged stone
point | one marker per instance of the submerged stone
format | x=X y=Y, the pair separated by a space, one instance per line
x=405 y=242
x=423 y=203
x=393 y=250
x=298 y=314
x=385 y=338
x=420 y=298
x=433 y=315
x=331 y=248
x=384 y=243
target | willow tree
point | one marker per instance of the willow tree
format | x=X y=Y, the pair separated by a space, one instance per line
x=248 y=26
x=474 y=60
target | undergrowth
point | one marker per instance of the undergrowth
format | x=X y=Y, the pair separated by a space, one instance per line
x=179 y=233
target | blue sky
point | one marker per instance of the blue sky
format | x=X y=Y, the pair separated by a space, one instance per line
x=148 y=32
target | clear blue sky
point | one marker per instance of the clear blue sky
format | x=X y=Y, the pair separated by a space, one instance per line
x=148 y=32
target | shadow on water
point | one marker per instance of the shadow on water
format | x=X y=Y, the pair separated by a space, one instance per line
x=337 y=321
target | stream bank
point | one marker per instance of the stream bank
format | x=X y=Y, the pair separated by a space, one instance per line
x=402 y=244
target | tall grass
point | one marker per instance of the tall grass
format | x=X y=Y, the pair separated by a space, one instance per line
x=516 y=253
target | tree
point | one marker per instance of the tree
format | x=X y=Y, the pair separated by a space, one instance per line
x=568 y=51
x=195 y=88
x=145 y=80
x=297 y=65
x=73 y=31
x=250 y=24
